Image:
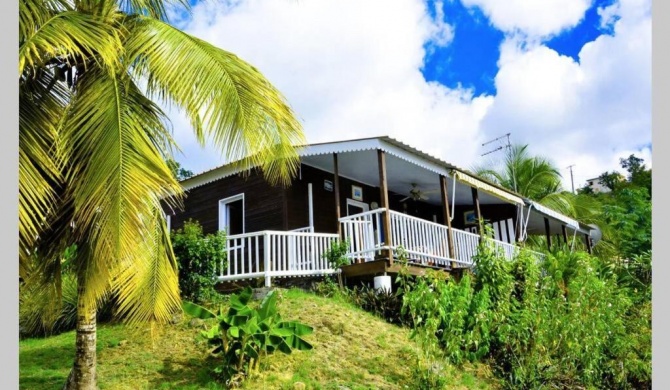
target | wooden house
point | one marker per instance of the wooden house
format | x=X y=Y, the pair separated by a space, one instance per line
x=379 y=194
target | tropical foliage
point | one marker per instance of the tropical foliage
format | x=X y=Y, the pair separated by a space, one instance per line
x=534 y=177
x=244 y=334
x=564 y=323
x=179 y=172
x=93 y=146
x=626 y=208
x=198 y=255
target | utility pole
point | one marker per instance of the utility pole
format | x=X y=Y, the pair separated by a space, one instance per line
x=572 y=179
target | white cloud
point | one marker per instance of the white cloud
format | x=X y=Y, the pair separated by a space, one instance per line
x=587 y=113
x=534 y=18
x=350 y=69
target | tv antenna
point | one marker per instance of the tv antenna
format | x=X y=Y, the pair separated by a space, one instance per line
x=500 y=147
x=507 y=145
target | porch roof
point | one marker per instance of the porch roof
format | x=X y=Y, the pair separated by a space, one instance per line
x=406 y=165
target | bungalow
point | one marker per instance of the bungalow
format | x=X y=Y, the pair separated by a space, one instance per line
x=377 y=193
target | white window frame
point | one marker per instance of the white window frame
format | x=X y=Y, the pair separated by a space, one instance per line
x=356 y=203
x=223 y=215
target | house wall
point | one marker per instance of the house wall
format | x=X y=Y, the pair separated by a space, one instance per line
x=263 y=203
x=276 y=208
x=502 y=215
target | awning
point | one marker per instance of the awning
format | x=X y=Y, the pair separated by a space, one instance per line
x=476 y=183
x=549 y=212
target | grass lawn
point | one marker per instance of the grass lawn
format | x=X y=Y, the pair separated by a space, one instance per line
x=352 y=349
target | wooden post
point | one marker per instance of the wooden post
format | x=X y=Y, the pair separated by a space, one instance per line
x=587 y=239
x=548 y=232
x=336 y=184
x=480 y=221
x=565 y=233
x=447 y=218
x=384 y=196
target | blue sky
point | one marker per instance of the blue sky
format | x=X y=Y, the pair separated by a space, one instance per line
x=571 y=78
x=471 y=58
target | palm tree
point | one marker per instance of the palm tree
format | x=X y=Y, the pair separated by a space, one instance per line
x=538 y=179
x=93 y=146
x=530 y=176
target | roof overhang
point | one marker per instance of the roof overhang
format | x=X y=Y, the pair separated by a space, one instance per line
x=476 y=183
x=405 y=164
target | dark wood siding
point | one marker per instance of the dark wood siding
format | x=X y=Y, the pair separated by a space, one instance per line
x=275 y=208
x=490 y=213
x=263 y=203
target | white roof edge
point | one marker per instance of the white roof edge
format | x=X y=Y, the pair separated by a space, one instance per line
x=388 y=145
x=555 y=214
x=477 y=183
x=210 y=176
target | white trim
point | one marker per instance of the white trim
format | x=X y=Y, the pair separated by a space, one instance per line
x=474 y=182
x=355 y=203
x=210 y=176
x=551 y=213
x=310 y=199
x=223 y=216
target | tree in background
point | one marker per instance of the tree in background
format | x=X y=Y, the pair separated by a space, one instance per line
x=638 y=175
x=177 y=170
x=531 y=176
x=538 y=179
x=93 y=146
x=627 y=208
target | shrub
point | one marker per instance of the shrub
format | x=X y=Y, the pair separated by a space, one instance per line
x=197 y=258
x=245 y=334
x=563 y=323
x=382 y=303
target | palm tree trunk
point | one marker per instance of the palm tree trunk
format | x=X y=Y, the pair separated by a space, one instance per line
x=83 y=374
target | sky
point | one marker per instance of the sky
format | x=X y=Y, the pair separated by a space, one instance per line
x=570 y=78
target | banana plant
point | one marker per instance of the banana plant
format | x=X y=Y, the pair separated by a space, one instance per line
x=243 y=334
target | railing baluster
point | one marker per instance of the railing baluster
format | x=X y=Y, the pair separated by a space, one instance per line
x=257 y=267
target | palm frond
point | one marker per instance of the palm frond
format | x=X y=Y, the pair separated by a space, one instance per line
x=116 y=144
x=69 y=34
x=34 y=13
x=147 y=286
x=159 y=9
x=40 y=108
x=227 y=100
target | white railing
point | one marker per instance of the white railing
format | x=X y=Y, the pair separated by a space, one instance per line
x=307 y=229
x=269 y=254
x=364 y=234
x=425 y=242
x=507 y=250
x=465 y=244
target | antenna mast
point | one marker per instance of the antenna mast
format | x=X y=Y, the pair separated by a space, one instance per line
x=507 y=146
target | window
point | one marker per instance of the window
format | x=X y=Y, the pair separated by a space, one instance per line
x=231 y=214
x=356 y=207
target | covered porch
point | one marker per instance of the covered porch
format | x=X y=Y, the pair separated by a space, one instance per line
x=389 y=201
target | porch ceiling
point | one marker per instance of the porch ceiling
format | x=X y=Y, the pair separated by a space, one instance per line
x=362 y=166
